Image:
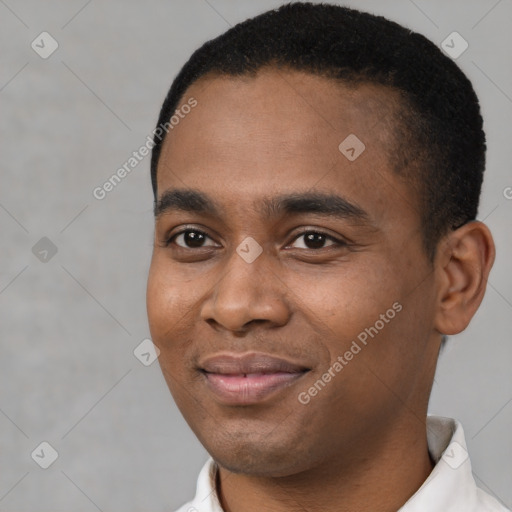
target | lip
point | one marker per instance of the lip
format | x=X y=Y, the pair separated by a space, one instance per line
x=244 y=379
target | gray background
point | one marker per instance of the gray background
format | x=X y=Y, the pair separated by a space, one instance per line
x=69 y=326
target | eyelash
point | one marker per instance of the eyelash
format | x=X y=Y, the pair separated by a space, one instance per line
x=337 y=242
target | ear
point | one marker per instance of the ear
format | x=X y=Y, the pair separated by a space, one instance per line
x=463 y=263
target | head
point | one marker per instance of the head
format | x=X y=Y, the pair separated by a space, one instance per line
x=439 y=141
x=345 y=155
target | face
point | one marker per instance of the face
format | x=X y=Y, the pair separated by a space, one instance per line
x=289 y=292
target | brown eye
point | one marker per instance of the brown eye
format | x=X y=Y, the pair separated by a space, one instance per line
x=315 y=240
x=190 y=239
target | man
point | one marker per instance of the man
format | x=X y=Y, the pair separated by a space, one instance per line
x=315 y=239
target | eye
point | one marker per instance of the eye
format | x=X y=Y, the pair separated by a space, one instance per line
x=190 y=239
x=316 y=240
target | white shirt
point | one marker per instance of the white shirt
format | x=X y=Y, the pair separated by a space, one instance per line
x=450 y=487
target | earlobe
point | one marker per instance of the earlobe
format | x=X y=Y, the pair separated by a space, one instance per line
x=463 y=263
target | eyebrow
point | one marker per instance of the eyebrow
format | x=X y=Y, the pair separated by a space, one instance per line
x=194 y=201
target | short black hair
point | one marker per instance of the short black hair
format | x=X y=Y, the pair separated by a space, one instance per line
x=438 y=133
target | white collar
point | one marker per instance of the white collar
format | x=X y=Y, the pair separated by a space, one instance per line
x=450 y=487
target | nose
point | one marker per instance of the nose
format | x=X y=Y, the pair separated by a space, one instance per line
x=246 y=293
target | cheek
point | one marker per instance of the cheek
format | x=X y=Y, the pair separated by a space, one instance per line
x=157 y=298
x=169 y=308
x=167 y=315
x=367 y=315
x=345 y=301
x=383 y=331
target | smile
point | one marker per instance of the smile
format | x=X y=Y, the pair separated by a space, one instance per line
x=250 y=378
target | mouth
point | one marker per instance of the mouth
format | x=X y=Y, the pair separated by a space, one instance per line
x=245 y=379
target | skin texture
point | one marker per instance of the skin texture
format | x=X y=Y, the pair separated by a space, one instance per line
x=360 y=443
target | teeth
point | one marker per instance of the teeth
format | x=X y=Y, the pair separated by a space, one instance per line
x=252 y=374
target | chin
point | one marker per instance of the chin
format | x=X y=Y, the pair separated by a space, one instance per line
x=257 y=455
x=254 y=464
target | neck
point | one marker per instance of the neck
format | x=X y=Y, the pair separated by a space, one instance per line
x=371 y=476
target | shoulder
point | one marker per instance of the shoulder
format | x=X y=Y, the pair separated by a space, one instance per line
x=487 y=503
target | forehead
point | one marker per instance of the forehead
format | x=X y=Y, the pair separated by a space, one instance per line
x=281 y=131
x=288 y=106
